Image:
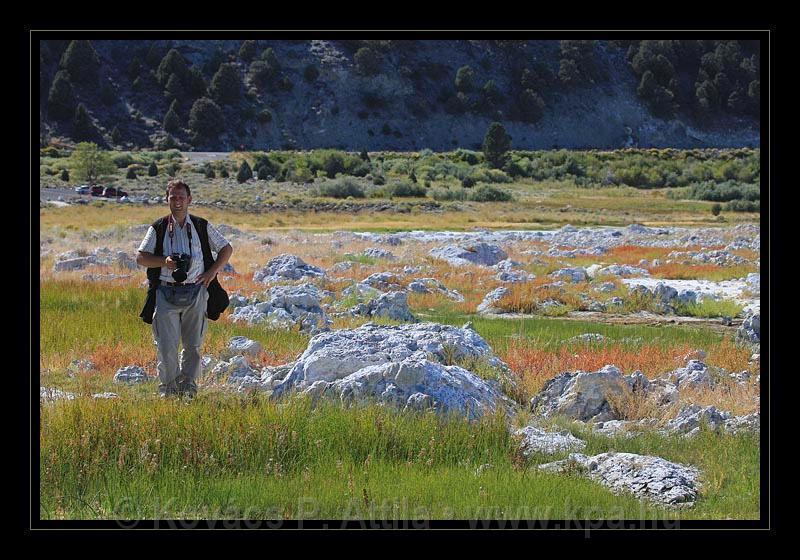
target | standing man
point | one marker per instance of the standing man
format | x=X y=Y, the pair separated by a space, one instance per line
x=184 y=291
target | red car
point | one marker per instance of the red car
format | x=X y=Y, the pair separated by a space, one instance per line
x=111 y=192
x=97 y=190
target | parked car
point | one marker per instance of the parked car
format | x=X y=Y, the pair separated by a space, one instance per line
x=96 y=190
x=111 y=192
x=83 y=189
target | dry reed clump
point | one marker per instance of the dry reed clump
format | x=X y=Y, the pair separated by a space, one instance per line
x=527 y=297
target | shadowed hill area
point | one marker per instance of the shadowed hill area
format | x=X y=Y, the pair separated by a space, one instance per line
x=220 y=95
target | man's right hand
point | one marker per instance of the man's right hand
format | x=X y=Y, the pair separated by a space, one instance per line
x=170 y=264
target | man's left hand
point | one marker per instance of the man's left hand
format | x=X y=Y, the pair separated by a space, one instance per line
x=206 y=278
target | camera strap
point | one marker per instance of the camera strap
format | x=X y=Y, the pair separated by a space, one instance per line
x=171 y=231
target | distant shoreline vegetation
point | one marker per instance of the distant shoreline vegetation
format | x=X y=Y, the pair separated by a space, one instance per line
x=732 y=176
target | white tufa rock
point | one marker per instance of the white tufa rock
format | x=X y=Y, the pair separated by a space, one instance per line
x=487 y=305
x=536 y=440
x=575 y=274
x=584 y=395
x=130 y=375
x=243 y=345
x=287 y=307
x=286 y=267
x=644 y=476
x=480 y=253
x=404 y=365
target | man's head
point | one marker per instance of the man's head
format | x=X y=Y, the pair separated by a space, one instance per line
x=179 y=196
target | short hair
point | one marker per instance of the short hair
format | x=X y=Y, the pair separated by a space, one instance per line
x=176 y=183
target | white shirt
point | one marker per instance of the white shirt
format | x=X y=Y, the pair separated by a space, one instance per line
x=180 y=244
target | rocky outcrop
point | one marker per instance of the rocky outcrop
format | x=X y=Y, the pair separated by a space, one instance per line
x=488 y=303
x=585 y=396
x=575 y=274
x=652 y=478
x=405 y=365
x=480 y=253
x=391 y=305
x=750 y=330
x=536 y=440
x=130 y=375
x=286 y=267
x=286 y=307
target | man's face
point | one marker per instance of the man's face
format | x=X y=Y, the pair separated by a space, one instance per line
x=178 y=202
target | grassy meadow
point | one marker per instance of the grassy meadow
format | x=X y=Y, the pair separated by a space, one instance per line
x=228 y=455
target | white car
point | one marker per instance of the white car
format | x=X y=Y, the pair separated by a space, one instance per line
x=83 y=189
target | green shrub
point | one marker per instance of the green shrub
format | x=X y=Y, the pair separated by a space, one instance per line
x=403 y=189
x=716 y=208
x=442 y=194
x=131 y=174
x=341 y=188
x=49 y=151
x=488 y=193
x=122 y=160
x=224 y=173
x=743 y=206
x=64 y=175
x=467 y=182
x=152 y=169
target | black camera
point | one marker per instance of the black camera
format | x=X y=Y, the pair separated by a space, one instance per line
x=183 y=261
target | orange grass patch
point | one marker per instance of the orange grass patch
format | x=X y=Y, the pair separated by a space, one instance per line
x=536 y=366
x=677 y=271
x=525 y=297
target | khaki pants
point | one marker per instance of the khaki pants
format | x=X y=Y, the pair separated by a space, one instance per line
x=172 y=325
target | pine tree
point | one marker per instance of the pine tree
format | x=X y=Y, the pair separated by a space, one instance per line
x=61 y=99
x=116 y=135
x=172 y=63
x=226 y=85
x=247 y=51
x=172 y=122
x=206 y=119
x=83 y=127
x=64 y=175
x=465 y=79
x=174 y=88
x=81 y=61
x=495 y=144
x=152 y=169
x=244 y=173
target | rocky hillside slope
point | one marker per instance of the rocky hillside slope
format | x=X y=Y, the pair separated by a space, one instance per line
x=329 y=93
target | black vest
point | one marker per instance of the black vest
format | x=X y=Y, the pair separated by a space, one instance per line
x=217 y=297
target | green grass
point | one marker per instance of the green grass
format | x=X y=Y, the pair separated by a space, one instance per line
x=244 y=456
x=553 y=332
x=711 y=308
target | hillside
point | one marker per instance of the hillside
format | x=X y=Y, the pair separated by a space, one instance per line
x=220 y=95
